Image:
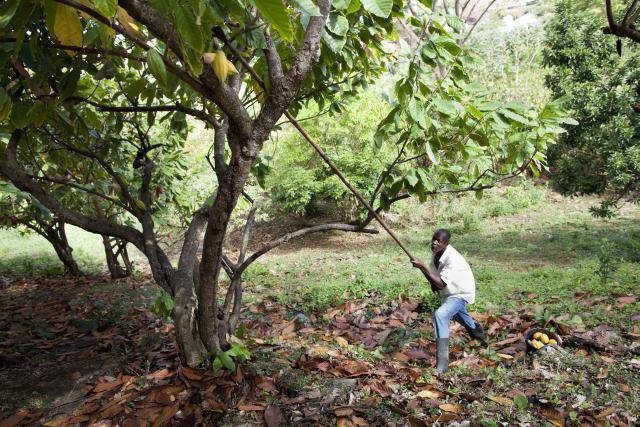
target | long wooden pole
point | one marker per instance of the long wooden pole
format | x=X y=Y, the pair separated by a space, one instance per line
x=324 y=156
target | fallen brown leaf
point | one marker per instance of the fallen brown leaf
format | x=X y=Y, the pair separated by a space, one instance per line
x=554 y=416
x=416 y=422
x=451 y=407
x=272 y=416
x=343 y=422
x=607 y=412
x=251 y=407
x=14 y=419
x=429 y=394
x=100 y=387
x=342 y=342
x=501 y=400
x=359 y=421
x=165 y=416
x=343 y=412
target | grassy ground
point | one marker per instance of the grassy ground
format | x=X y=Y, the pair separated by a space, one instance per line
x=538 y=258
x=31 y=255
x=519 y=240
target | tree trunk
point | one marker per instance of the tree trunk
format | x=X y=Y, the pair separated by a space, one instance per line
x=212 y=325
x=57 y=236
x=115 y=248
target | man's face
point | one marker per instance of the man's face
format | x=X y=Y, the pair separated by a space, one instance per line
x=438 y=243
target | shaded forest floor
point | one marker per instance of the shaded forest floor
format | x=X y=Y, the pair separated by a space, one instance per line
x=339 y=334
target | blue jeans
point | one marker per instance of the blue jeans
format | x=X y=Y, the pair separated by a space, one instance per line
x=451 y=308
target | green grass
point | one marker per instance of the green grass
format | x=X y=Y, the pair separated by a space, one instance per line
x=524 y=240
x=31 y=255
x=520 y=240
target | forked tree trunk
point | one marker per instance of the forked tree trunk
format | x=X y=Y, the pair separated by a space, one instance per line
x=116 y=252
x=56 y=235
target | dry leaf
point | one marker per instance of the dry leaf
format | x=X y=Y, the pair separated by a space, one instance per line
x=343 y=342
x=14 y=419
x=554 y=416
x=625 y=301
x=272 y=416
x=167 y=413
x=359 y=421
x=251 y=407
x=416 y=422
x=429 y=394
x=451 y=407
x=502 y=400
x=607 y=412
x=158 y=375
x=100 y=387
x=504 y=356
x=343 y=412
x=343 y=422
x=192 y=374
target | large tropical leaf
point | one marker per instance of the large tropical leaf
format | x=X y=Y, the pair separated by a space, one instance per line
x=381 y=8
x=275 y=12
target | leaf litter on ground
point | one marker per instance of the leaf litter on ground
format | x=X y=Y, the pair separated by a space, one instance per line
x=363 y=362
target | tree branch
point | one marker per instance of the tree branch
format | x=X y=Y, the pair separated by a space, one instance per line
x=475 y=24
x=10 y=168
x=96 y=51
x=81 y=188
x=132 y=109
x=302 y=232
x=284 y=90
x=624 y=29
x=274 y=63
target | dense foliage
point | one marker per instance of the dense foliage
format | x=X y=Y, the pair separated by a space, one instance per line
x=600 y=155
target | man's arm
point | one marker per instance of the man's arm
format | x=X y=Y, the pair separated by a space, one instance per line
x=434 y=279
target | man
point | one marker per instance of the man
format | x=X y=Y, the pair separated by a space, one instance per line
x=451 y=277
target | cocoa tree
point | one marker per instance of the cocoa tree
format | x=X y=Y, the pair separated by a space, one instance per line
x=158 y=56
x=19 y=209
x=70 y=68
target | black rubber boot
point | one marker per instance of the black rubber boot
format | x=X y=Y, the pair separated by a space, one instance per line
x=442 y=354
x=478 y=333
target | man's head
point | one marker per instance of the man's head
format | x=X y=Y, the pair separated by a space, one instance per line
x=440 y=241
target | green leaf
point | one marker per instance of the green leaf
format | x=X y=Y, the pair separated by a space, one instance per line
x=5 y=105
x=447 y=44
x=190 y=33
x=516 y=117
x=430 y=153
x=445 y=107
x=520 y=401
x=354 y=6
x=227 y=362
x=275 y=12
x=411 y=178
x=381 y=8
x=308 y=7
x=106 y=7
x=415 y=110
x=456 y=23
x=338 y=25
x=7 y=11
x=333 y=43
x=156 y=66
x=340 y=4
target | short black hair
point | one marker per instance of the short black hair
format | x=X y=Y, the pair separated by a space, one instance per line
x=444 y=233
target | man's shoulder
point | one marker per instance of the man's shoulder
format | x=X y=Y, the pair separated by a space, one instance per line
x=454 y=256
